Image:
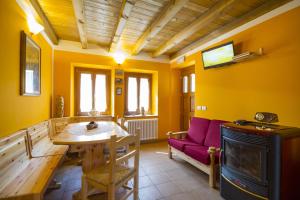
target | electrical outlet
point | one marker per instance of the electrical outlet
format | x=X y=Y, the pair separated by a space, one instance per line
x=204 y=107
x=199 y=107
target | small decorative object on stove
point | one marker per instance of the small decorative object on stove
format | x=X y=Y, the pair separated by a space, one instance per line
x=266 y=117
x=91 y=125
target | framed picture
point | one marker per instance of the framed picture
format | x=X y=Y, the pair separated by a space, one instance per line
x=119 y=91
x=119 y=81
x=119 y=72
x=30 y=65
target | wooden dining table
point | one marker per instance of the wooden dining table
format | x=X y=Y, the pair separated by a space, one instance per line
x=91 y=141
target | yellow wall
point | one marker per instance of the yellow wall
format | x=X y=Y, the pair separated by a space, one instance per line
x=17 y=112
x=166 y=78
x=269 y=83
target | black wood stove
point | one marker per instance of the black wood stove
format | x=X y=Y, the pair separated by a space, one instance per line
x=260 y=161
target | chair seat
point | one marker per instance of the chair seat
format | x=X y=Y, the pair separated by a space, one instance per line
x=101 y=174
x=199 y=153
x=180 y=144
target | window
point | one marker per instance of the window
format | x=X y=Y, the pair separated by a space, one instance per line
x=192 y=82
x=138 y=93
x=92 y=88
x=185 y=84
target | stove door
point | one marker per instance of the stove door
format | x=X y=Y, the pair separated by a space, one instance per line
x=245 y=160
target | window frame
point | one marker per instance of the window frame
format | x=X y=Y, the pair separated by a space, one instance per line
x=93 y=71
x=138 y=76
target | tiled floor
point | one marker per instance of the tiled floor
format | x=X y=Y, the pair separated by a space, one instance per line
x=160 y=178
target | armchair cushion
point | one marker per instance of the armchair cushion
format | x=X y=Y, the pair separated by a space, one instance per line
x=180 y=144
x=213 y=136
x=198 y=129
x=200 y=154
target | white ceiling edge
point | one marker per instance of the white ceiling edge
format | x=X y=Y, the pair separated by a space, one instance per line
x=280 y=10
x=73 y=46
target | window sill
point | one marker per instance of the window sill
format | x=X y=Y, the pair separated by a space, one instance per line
x=140 y=116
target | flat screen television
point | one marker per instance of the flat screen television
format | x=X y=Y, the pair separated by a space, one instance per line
x=218 y=56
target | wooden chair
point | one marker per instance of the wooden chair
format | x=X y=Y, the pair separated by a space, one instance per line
x=116 y=172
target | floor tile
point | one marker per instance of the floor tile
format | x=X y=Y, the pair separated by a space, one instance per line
x=144 y=181
x=168 y=189
x=149 y=193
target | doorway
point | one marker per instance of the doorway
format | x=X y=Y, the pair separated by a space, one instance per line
x=187 y=96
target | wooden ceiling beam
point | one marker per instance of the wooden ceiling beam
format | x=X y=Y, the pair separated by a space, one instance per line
x=166 y=15
x=36 y=8
x=80 y=21
x=126 y=9
x=206 y=18
x=263 y=9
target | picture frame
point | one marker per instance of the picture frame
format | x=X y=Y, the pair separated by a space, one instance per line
x=119 y=72
x=30 y=66
x=119 y=81
x=119 y=91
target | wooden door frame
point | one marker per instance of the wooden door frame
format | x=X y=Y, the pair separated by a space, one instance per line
x=187 y=71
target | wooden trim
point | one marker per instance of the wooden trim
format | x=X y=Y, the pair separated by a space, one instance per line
x=138 y=76
x=126 y=9
x=93 y=72
x=80 y=21
x=35 y=6
x=196 y=25
x=166 y=15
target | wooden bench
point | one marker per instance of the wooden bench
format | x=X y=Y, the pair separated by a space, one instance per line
x=28 y=162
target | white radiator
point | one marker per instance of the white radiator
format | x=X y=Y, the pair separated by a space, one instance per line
x=149 y=127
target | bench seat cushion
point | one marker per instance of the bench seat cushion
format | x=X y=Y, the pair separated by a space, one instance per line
x=199 y=153
x=198 y=129
x=180 y=144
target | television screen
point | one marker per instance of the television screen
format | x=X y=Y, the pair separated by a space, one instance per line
x=218 y=56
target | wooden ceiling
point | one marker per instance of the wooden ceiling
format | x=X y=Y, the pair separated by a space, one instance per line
x=156 y=26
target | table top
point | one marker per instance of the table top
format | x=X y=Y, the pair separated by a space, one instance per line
x=77 y=133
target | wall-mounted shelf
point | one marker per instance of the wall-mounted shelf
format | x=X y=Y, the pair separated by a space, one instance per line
x=247 y=56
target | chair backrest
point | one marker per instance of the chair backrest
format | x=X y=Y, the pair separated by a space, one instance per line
x=121 y=122
x=133 y=152
x=198 y=130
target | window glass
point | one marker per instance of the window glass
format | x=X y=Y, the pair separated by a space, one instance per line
x=144 y=93
x=132 y=96
x=185 y=84
x=85 y=92
x=100 y=93
x=192 y=82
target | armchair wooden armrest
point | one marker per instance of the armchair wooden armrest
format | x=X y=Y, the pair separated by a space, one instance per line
x=212 y=176
x=179 y=133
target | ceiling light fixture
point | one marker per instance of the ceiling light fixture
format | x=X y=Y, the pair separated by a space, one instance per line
x=34 y=26
x=119 y=57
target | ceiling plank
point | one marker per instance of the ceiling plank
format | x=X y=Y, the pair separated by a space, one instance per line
x=80 y=21
x=166 y=15
x=261 y=10
x=207 y=17
x=35 y=6
x=126 y=9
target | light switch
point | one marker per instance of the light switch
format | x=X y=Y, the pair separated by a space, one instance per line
x=199 y=107
x=204 y=107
